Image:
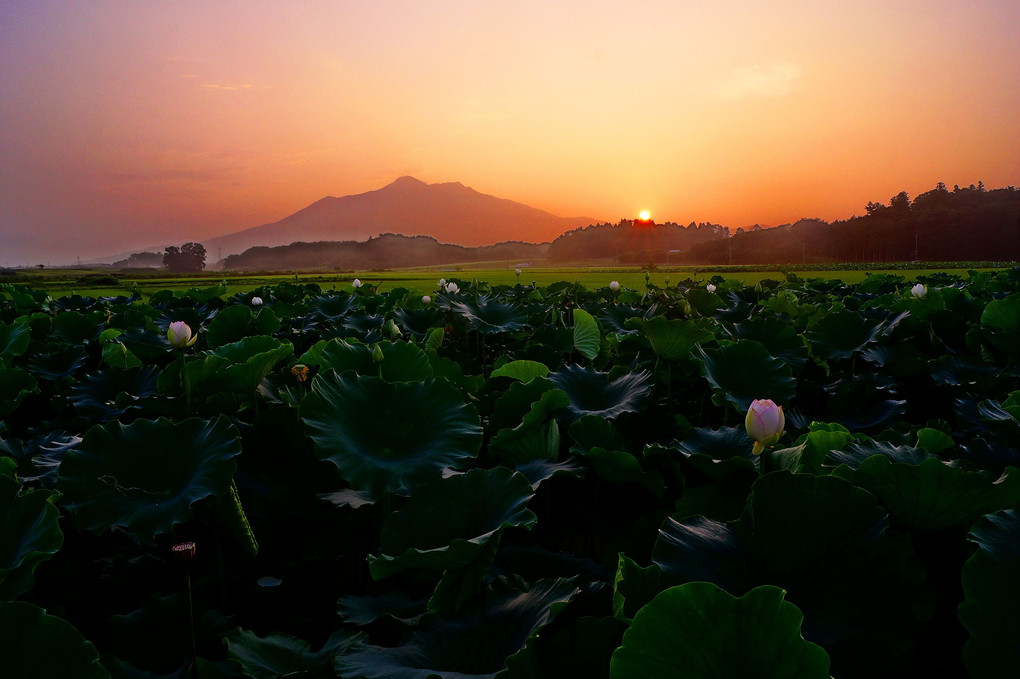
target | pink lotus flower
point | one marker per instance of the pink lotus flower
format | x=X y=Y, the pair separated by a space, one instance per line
x=764 y=424
x=179 y=334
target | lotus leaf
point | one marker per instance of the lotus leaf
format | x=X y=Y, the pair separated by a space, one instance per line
x=419 y=322
x=281 y=655
x=28 y=535
x=107 y=394
x=237 y=322
x=146 y=475
x=38 y=459
x=842 y=334
x=58 y=363
x=523 y=371
x=475 y=645
x=991 y=605
x=824 y=541
x=386 y=437
x=672 y=340
x=745 y=371
x=699 y=631
x=586 y=334
x=402 y=361
x=1000 y=323
x=779 y=337
x=13 y=340
x=593 y=393
x=536 y=436
x=931 y=495
x=488 y=315
x=448 y=522
x=35 y=644
x=15 y=386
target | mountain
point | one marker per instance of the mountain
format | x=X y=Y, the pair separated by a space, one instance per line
x=449 y=212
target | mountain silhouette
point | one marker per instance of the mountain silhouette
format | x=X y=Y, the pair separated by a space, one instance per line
x=449 y=212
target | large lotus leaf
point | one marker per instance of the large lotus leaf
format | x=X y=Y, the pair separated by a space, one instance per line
x=74 y=328
x=931 y=496
x=854 y=454
x=516 y=402
x=35 y=645
x=536 y=437
x=811 y=450
x=746 y=371
x=1000 y=323
x=586 y=334
x=706 y=303
x=148 y=344
x=29 y=535
x=593 y=393
x=332 y=306
x=58 y=363
x=419 y=322
x=991 y=598
x=282 y=655
x=779 y=337
x=523 y=371
x=386 y=437
x=448 y=522
x=15 y=387
x=721 y=443
x=488 y=315
x=582 y=649
x=901 y=360
x=591 y=431
x=14 y=340
x=107 y=394
x=617 y=466
x=714 y=488
x=821 y=539
x=115 y=353
x=614 y=317
x=402 y=361
x=248 y=361
x=236 y=322
x=474 y=645
x=672 y=340
x=842 y=334
x=364 y=610
x=698 y=631
x=146 y=475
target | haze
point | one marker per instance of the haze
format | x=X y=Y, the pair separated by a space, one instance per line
x=125 y=125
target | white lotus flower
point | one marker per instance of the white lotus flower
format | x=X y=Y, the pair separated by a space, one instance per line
x=356 y=284
x=517 y=271
x=179 y=334
x=919 y=291
x=452 y=288
x=442 y=282
x=614 y=286
x=710 y=287
x=256 y=301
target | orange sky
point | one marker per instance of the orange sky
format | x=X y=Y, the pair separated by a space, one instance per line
x=127 y=124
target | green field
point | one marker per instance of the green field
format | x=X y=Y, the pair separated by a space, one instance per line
x=61 y=282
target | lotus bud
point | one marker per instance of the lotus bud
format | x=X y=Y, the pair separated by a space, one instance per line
x=919 y=291
x=377 y=354
x=391 y=329
x=356 y=283
x=648 y=276
x=452 y=288
x=426 y=300
x=442 y=282
x=179 y=334
x=667 y=281
x=256 y=301
x=614 y=286
x=517 y=271
x=710 y=287
x=764 y=424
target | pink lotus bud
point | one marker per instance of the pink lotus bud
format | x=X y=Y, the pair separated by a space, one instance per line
x=179 y=334
x=426 y=300
x=614 y=286
x=764 y=424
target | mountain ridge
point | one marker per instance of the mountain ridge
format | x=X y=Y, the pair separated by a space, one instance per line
x=449 y=211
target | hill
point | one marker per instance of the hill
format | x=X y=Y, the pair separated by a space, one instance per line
x=448 y=212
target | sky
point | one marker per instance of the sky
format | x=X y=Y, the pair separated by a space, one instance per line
x=128 y=124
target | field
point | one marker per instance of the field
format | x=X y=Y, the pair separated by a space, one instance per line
x=289 y=475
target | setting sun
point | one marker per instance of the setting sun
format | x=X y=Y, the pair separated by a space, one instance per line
x=644 y=215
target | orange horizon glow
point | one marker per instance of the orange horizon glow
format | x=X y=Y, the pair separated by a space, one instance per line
x=131 y=125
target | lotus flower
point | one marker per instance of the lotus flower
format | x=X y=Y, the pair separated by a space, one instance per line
x=179 y=334
x=710 y=287
x=452 y=288
x=442 y=282
x=764 y=424
x=256 y=301
x=426 y=300
x=356 y=283
x=614 y=286
x=919 y=291
x=517 y=271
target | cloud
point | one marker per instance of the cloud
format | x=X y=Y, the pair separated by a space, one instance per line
x=775 y=80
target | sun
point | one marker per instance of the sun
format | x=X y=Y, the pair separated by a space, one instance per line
x=644 y=215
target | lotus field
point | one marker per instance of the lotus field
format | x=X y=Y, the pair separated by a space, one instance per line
x=803 y=478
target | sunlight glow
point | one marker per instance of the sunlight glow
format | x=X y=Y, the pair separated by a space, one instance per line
x=644 y=215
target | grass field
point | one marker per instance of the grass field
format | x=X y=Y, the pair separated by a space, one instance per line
x=99 y=282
